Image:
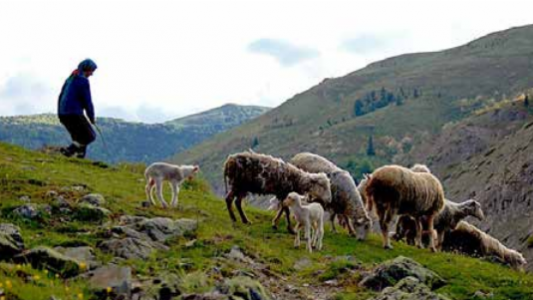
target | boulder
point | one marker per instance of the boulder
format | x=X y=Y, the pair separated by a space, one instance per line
x=26 y=211
x=245 y=288
x=118 y=278
x=161 y=229
x=391 y=272
x=46 y=258
x=93 y=199
x=128 y=248
x=83 y=254
x=12 y=233
x=409 y=288
x=91 y=213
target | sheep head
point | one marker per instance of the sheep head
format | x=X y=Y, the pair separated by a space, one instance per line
x=320 y=188
x=363 y=226
x=474 y=209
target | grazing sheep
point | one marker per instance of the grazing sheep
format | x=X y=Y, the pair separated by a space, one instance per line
x=468 y=239
x=446 y=220
x=158 y=172
x=250 y=172
x=346 y=200
x=310 y=217
x=396 y=190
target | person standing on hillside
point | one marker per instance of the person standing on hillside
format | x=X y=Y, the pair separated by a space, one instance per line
x=74 y=99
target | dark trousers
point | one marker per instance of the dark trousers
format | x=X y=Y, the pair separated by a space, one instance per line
x=79 y=128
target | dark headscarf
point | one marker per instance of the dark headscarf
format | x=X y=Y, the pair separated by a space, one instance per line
x=87 y=65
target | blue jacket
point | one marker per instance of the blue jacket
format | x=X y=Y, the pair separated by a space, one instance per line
x=75 y=97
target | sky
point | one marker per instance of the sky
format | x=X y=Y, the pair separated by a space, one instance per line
x=158 y=60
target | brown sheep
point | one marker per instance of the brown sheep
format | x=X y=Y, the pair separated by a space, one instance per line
x=468 y=239
x=249 y=172
x=346 y=200
x=395 y=190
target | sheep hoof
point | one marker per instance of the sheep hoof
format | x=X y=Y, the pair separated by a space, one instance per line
x=388 y=247
x=290 y=230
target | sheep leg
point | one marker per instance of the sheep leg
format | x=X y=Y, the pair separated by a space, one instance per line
x=275 y=221
x=238 y=203
x=419 y=230
x=297 y=237
x=229 y=204
x=159 y=190
x=385 y=216
x=332 y=220
x=175 y=191
x=308 y=236
x=288 y=216
x=349 y=223
x=148 y=189
x=431 y=228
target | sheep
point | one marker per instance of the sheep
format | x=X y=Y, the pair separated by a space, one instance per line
x=361 y=187
x=468 y=239
x=310 y=217
x=446 y=220
x=346 y=200
x=158 y=172
x=250 y=172
x=396 y=190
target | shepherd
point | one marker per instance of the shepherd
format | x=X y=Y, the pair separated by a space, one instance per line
x=75 y=98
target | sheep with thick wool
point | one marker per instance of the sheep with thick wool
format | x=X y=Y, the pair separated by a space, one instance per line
x=310 y=217
x=446 y=220
x=346 y=202
x=396 y=190
x=250 y=172
x=468 y=239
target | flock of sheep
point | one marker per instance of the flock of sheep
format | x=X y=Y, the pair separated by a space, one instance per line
x=309 y=185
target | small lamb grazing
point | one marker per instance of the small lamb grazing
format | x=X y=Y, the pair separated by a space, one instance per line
x=346 y=202
x=395 y=190
x=310 y=217
x=446 y=220
x=468 y=239
x=158 y=172
x=250 y=172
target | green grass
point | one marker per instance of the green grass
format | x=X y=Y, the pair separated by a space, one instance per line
x=33 y=174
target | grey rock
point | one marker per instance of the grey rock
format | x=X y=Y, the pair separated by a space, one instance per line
x=51 y=194
x=47 y=258
x=90 y=213
x=26 y=211
x=245 y=288
x=302 y=263
x=391 y=272
x=13 y=233
x=93 y=199
x=128 y=248
x=25 y=199
x=11 y=242
x=409 y=288
x=61 y=202
x=236 y=254
x=131 y=220
x=482 y=295
x=116 y=277
x=83 y=254
x=161 y=229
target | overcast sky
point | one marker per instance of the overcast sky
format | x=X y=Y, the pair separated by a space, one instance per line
x=158 y=60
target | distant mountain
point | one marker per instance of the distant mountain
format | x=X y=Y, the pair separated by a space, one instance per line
x=396 y=102
x=129 y=141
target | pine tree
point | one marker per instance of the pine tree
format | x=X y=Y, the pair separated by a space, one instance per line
x=526 y=101
x=255 y=142
x=358 y=108
x=370 y=149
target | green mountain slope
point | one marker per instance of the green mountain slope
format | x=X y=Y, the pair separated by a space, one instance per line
x=128 y=141
x=398 y=101
x=199 y=260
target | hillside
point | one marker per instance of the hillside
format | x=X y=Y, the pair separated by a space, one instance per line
x=129 y=141
x=488 y=157
x=398 y=102
x=201 y=252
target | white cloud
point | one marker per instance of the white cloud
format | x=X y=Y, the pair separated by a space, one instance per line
x=182 y=57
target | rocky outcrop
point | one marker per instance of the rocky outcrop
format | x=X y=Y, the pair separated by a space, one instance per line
x=11 y=242
x=409 y=288
x=391 y=272
x=46 y=258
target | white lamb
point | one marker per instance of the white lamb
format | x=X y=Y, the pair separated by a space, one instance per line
x=158 y=172
x=309 y=216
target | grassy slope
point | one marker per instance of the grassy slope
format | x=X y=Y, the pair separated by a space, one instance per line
x=27 y=173
x=321 y=119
